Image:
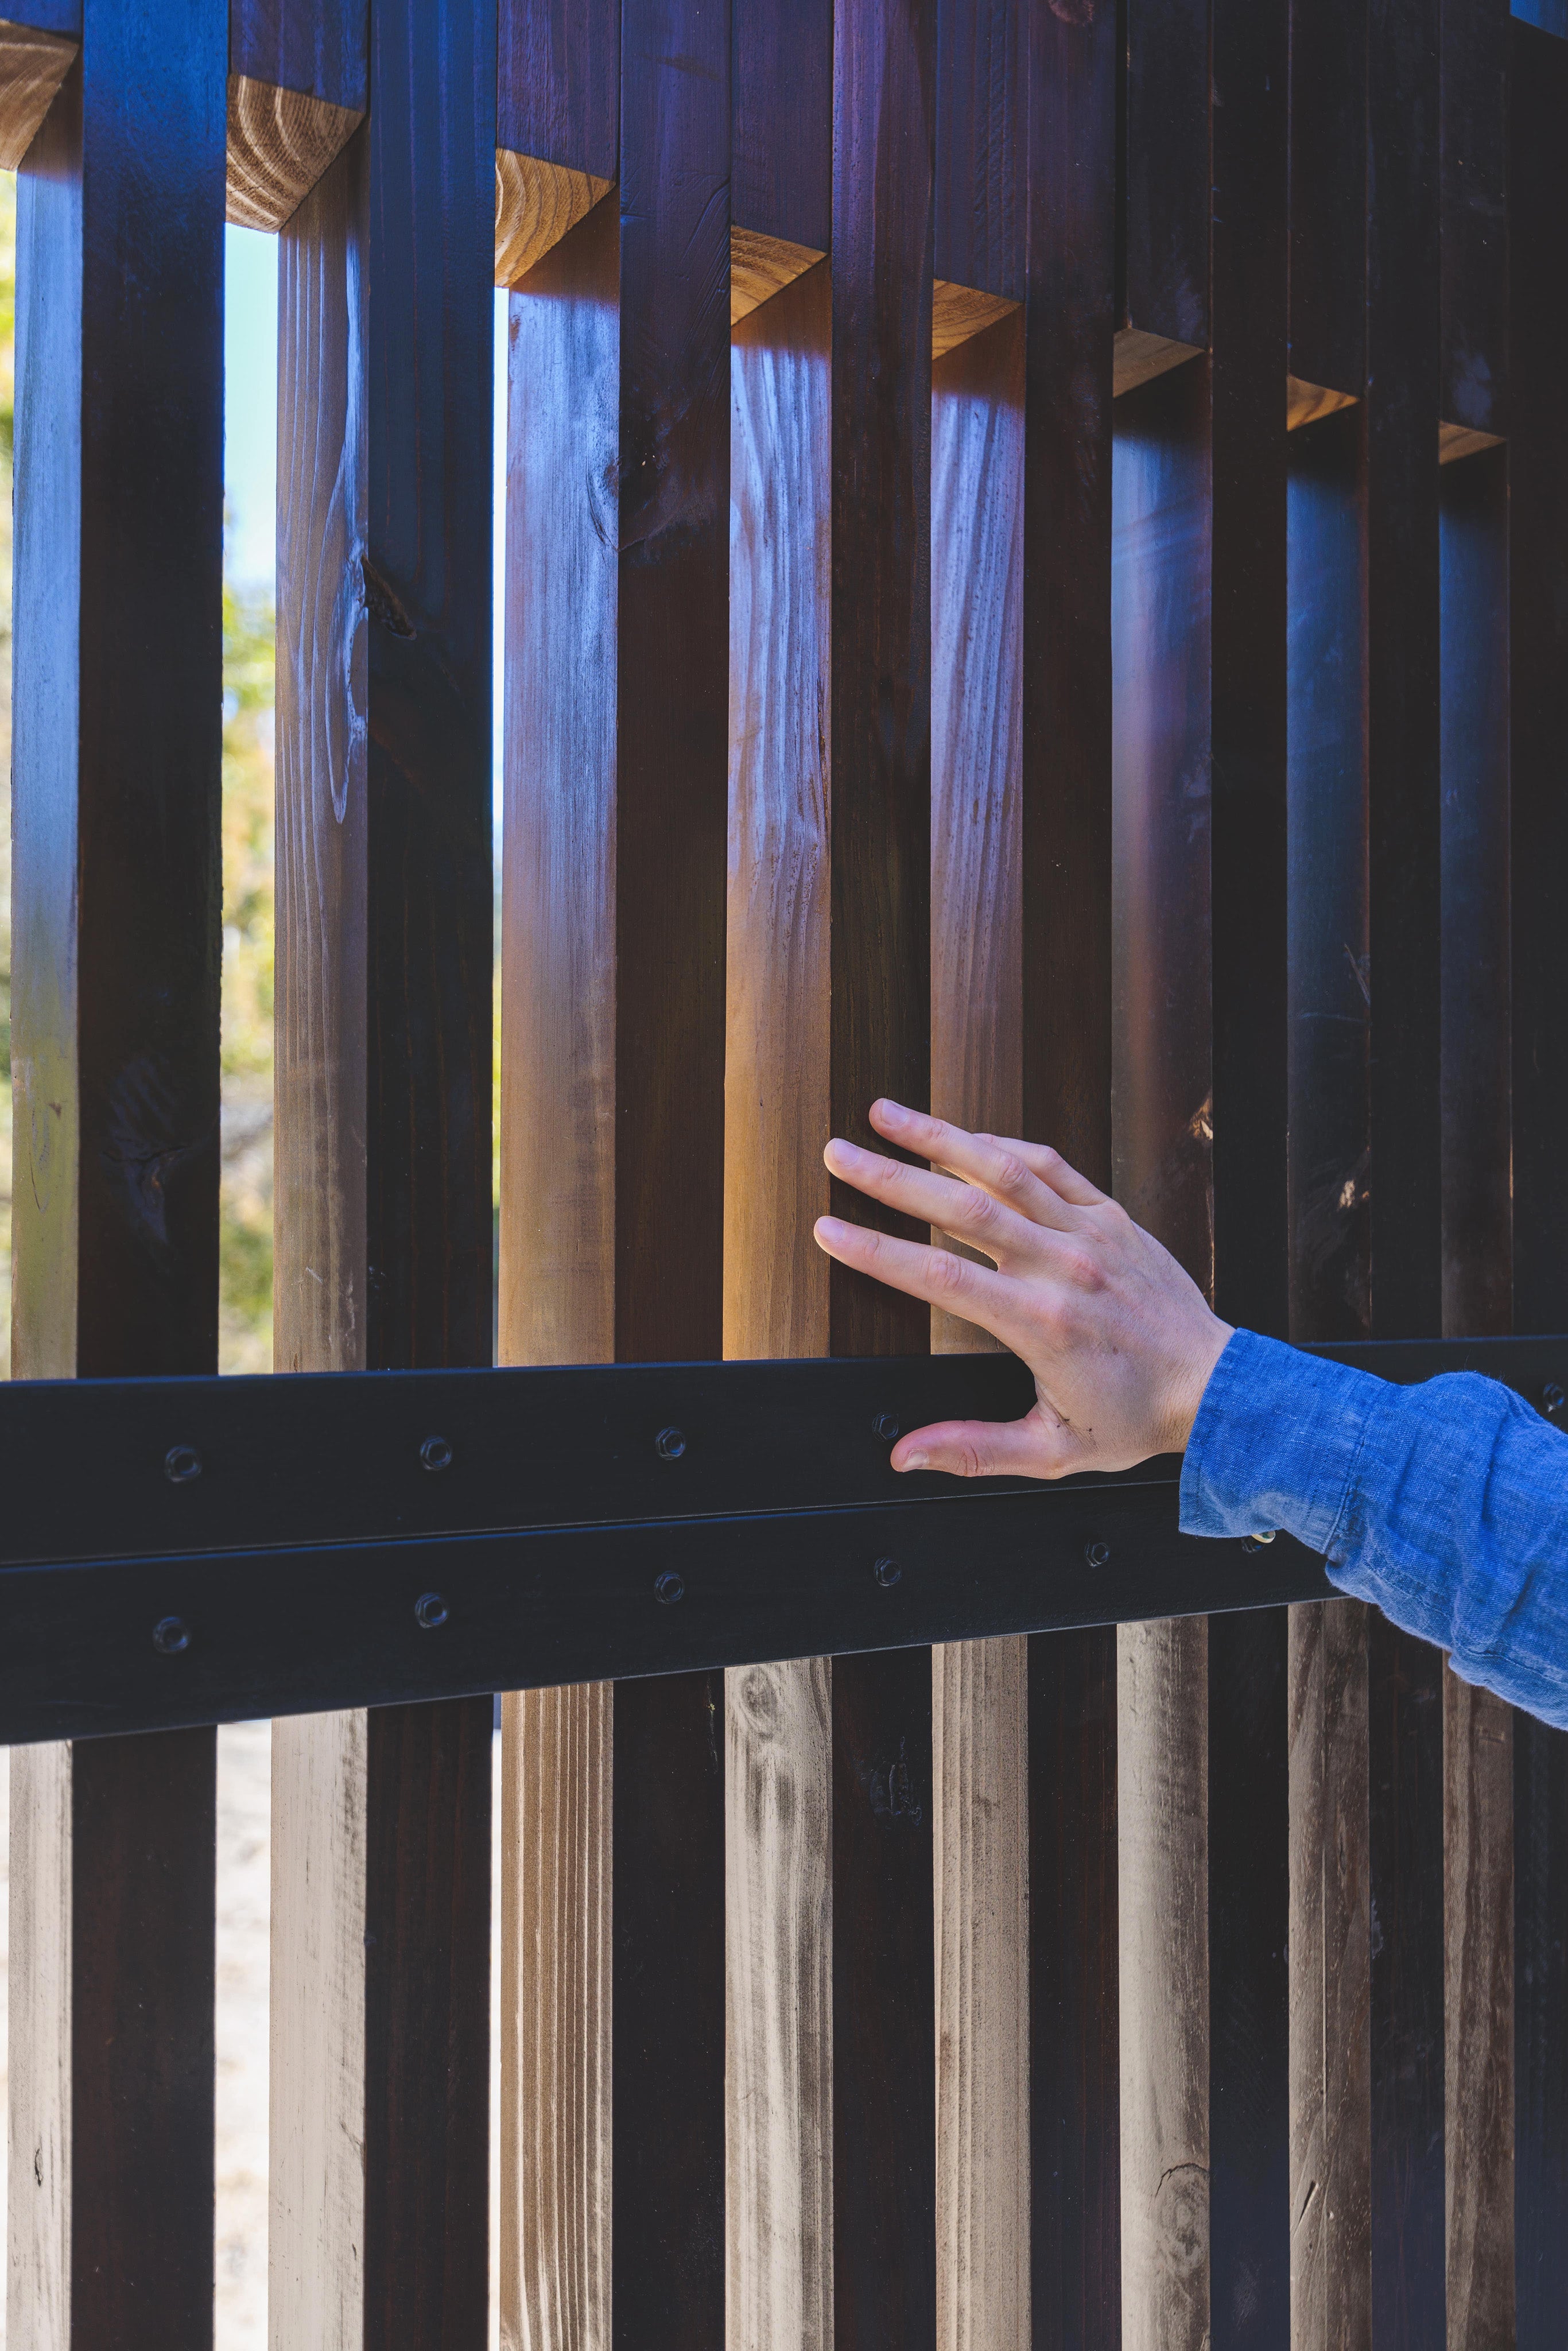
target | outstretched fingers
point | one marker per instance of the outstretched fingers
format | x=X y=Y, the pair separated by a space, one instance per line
x=954 y=1283
x=962 y=1209
x=1028 y=1177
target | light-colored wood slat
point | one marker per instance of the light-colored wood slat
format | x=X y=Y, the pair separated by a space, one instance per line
x=1162 y=1735
x=32 y=68
x=761 y=266
x=1305 y=403
x=280 y=142
x=558 y=1226
x=1331 y=2243
x=38 y=2271
x=958 y=312
x=778 y=1758
x=536 y=205
x=979 y=1690
x=317 y=2089
x=1478 y=1899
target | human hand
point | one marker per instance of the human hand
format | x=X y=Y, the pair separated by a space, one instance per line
x=1120 y=1340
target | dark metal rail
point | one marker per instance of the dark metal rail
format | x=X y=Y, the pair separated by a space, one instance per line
x=202 y=1551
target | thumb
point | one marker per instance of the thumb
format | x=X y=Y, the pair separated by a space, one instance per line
x=1030 y=1447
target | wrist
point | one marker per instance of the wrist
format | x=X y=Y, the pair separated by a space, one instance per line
x=1186 y=1393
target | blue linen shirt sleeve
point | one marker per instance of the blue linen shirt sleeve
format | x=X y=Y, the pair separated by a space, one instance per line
x=1445 y=1504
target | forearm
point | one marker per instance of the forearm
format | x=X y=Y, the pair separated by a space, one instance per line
x=1446 y=1505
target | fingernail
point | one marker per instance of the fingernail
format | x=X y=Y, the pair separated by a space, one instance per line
x=915 y=1461
x=893 y=1114
x=843 y=1153
x=830 y=1229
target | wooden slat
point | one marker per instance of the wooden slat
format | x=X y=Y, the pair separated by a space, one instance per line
x=1249 y=1845
x=1166 y=197
x=1478 y=1880
x=1538 y=536
x=1472 y=207
x=115 y=923
x=980 y=1688
x=778 y=1760
x=981 y=149
x=297 y=91
x=558 y=82
x=783 y=119
x=1065 y=1083
x=1328 y=192
x=32 y=66
x=1162 y=1111
x=384 y=1216
x=1405 y=1707
x=1330 y=1297
x=879 y=818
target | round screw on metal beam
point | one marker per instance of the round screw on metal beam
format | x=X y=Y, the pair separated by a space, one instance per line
x=1552 y=1398
x=437 y=1453
x=1098 y=1554
x=887 y=1573
x=170 y=1634
x=669 y=1587
x=885 y=1426
x=430 y=1610
x=181 y=1464
x=669 y=1444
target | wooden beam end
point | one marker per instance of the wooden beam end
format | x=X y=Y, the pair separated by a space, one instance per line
x=32 y=68
x=536 y=203
x=280 y=142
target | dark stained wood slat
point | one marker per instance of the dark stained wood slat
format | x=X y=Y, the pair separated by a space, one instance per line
x=981 y=144
x=1473 y=205
x=1538 y=723
x=558 y=82
x=116 y=912
x=879 y=814
x=1248 y=1854
x=1069 y=325
x=1166 y=196
x=383 y=1129
x=316 y=48
x=783 y=118
x=1328 y=192
x=671 y=819
x=1405 y=1703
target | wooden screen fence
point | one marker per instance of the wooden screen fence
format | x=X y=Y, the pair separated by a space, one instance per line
x=1036 y=581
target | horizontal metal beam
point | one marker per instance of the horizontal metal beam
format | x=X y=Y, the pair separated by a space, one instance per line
x=202 y=1551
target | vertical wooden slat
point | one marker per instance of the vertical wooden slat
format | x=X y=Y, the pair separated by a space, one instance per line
x=1162 y=1111
x=1538 y=537
x=777 y=1758
x=1405 y=1703
x=1330 y=1297
x=385 y=927
x=980 y=1688
x=1328 y=192
x=879 y=818
x=116 y=915
x=1070 y=320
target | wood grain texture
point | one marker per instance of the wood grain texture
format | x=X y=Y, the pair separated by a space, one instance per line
x=778 y=1974
x=1540 y=2046
x=279 y=144
x=761 y=266
x=776 y=1059
x=1329 y=1926
x=1306 y=403
x=318 y=48
x=778 y=1752
x=982 y=47
x=1477 y=1872
x=384 y=1051
x=1162 y=1751
x=555 y=1897
x=1141 y=356
x=959 y=311
x=557 y=82
x=116 y=921
x=1167 y=181
x=32 y=68
x=1463 y=441
x=557 y=1176
x=536 y=205
x=980 y=1749
x=782 y=114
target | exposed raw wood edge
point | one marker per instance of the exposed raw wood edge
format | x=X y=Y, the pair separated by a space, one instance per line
x=1139 y=357
x=1305 y=403
x=32 y=68
x=38 y=2297
x=979 y=1713
x=536 y=203
x=1478 y=2042
x=1330 y=1928
x=557 y=1762
x=280 y=143
x=1162 y=1735
x=959 y=311
x=761 y=266
x=1463 y=441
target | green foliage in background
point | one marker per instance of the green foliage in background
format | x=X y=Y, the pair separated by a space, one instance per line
x=245 y=1230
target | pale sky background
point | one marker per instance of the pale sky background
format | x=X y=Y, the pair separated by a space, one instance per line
x=250 y=427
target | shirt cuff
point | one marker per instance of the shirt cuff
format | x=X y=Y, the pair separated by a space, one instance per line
x=1276 y=1443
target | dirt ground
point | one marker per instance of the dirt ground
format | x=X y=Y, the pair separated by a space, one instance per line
x=239 y=2220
